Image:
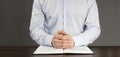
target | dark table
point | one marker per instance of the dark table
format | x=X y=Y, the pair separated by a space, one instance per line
x=26 y=51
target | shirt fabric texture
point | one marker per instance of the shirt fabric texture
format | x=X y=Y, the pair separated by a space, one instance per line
x=79 y=18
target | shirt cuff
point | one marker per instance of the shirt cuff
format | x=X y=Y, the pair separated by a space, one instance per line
x=47 y=40
x=79 y=40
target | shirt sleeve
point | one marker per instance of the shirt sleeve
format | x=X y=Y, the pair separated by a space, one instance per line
x=37 y=31
x=92 y=27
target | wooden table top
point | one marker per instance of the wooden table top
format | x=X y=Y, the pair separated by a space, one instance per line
x=26 y=51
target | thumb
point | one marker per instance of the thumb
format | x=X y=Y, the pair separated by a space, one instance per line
x=62 y=32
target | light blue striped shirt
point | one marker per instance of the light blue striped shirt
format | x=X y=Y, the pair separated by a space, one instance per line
x=79 y=18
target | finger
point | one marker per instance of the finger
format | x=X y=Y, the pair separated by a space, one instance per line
x=58 y=36
x=68 y=46
x=62 y=32
x=67 y=42
x=66 y=38
x=57 y=41
x=59 y=46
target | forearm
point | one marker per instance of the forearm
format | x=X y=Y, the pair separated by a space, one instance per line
x=41 y=37
x=87 y=37
x=91 y=26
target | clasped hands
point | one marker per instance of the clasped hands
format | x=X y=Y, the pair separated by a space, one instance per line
x=62 y=40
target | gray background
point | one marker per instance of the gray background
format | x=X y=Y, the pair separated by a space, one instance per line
x=15 y=18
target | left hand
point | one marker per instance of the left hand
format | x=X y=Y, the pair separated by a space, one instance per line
x=62 y=40
x=67 y=40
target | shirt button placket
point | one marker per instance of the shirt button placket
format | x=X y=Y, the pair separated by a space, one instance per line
x=64 y=15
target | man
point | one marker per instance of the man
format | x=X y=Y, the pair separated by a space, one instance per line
x=64 y=23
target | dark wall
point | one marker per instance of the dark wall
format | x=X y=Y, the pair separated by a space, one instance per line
x=15 y=18
x=110 y=20
x=14 y=22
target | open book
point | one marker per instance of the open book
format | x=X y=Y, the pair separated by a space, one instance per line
x=51 y=50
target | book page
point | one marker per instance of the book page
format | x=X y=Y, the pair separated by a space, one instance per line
x=79 y=50
x=47 y=50
x=51 y=50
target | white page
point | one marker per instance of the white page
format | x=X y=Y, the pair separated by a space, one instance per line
x=79 y=50
x=51 y=50
x=47 y=50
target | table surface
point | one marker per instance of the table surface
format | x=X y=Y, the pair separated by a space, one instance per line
x=26 y=51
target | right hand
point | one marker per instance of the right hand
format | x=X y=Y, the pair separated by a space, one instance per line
x=57 y=40
x=62 y=40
